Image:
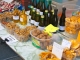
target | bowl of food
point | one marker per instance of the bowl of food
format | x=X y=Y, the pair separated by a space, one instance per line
x=40 y=39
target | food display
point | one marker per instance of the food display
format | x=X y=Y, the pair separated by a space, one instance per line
x=76 y=47
x=47 y=56
x=68 y=54
x=42 y=39
x=23 y=34
x=72 y=24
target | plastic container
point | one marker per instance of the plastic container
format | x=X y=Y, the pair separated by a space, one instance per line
x=40 y=43
x=60 y=5
x=71 y=26
x=71 y=9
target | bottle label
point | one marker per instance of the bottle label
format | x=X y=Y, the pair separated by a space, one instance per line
x=48 y=14
x=36 y=23
x=41 y=13
x=62 y=27
x=21 y=19
x=16 y=17
x=34 y=8
x=41 y=28
x=32 y=22
x=37 y=10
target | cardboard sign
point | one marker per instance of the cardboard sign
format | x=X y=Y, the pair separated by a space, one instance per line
x=11 y=39
x=66 y=43
x=57 y=50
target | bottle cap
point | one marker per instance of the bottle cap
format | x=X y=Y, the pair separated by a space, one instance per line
x=33 y=10
x=42 y=16
x=46 y=10
x=37 y=13
x=64 y=8
x=52 y=11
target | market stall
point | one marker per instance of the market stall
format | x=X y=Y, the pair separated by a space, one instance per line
x=43 y=32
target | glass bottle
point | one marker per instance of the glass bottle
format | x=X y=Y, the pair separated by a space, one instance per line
x=55 y=18
x=41 y=23
x=39 y=4
x=23 y=18
x=33 y=17
x=49 y=8
x=37 y=19
x=46 y=18
x=16 y=15
x=31 y=8
x=42 y=8
x=50 y=16
x=62 y=20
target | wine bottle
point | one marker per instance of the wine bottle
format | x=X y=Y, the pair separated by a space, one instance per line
x=42 y=8
x=49 y=8
x=33 y=17
x=31 y=8
x=51 y=16
x=23 y=18
x=62 y=20
x=41 y=22
x=46 y=18
x=37 y=19
x=55 y=18
x=39 y=4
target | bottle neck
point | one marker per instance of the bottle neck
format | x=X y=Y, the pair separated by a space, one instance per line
x=23 y=11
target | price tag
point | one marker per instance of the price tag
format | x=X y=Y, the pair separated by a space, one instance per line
x=50 y=28
x=78 y=38
x=66 y=43
x=57 y=50
x=11 y=39
x=1 y=27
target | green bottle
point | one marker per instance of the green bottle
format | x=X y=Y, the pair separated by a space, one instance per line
x=31 y=8
x=33 y=17
x=46 y=18
x=37 y=19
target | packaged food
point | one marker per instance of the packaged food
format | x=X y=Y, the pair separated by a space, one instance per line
x=68 y=54
x=10 y=27
x=23 y=34
x=40 y=39
x=47 y=56
x=75 y=46
x=72 y=24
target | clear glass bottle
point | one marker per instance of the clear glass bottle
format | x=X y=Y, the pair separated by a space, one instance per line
x=16 y=15
x=23 y=18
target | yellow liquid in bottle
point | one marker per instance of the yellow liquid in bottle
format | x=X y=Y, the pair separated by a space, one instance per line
x=23 y=18
x=16 y=16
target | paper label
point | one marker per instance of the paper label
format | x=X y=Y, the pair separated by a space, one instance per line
x=32 y=21
x=21 y=19
x=16 y=17
x=78 y=38
x=41 y=13
x=62 y=27
x=57 y=50
x=1 y=27
x=11 y=39
x=50 y=28
x=36 y=23
x=38 y=10
x=41 y=28
x=66 y=43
